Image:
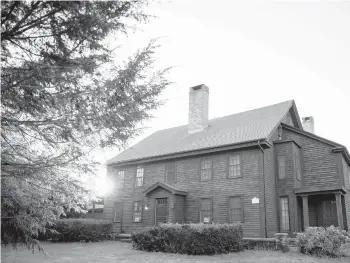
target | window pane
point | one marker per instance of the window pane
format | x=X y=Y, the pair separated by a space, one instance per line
x=137 y=211
x=120 y=179
x=234 y=169
x=206 y=203
x=284 y=216
x=205 y=174
x=235 y=209
x=170 y=177
x=281 y=167
x=205 y=216
x=170 y=166
x=139 y=177
x=205 y=212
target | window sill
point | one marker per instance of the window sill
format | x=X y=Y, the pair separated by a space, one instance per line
x=234 y=177
x=137 y=221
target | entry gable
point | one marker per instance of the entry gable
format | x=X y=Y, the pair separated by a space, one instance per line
x=165 y=186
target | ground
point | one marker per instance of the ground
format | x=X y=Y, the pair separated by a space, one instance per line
x=107 y=252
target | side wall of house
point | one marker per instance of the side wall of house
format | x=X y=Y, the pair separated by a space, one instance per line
x=188 y=175
x=346 y=174
x=319 y=164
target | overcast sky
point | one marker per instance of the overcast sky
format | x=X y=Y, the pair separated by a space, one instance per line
x=253 y=54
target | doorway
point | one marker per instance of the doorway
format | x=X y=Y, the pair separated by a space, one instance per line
x=161 y=210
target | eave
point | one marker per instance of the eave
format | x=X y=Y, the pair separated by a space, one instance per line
x=249 y=144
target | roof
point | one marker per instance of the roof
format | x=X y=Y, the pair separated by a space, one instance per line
x=172 y=189
x=238 y=128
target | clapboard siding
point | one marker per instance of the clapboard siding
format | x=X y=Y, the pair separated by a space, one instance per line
x=346 y=175
x=319 y=163
x=188 y=174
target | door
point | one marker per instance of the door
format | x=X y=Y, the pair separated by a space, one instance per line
x=161 y=210
x=330 y=213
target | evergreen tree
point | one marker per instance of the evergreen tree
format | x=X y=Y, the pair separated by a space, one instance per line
x=63 y=97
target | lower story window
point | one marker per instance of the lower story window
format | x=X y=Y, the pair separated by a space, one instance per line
x=235 y=209
x=205 y=212
x=284 y=216
x=137 y=211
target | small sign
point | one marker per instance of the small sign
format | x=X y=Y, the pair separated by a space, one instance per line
x=206 y=219
x=255 y=200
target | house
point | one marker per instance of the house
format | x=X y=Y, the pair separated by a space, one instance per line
x=263 y=167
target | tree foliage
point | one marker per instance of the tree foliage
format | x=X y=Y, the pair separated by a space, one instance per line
x=62 y=97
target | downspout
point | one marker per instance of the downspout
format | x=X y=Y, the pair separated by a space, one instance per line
x=263 y=174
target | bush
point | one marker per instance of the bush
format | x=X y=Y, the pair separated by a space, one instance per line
x=321 y=241
x=260 y=245
x=79 y=230
x=191 y=239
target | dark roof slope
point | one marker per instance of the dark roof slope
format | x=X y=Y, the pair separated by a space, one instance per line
x=233 y=129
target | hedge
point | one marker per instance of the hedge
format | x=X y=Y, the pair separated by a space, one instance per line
x=191 y=239
x=320 y=241
x=78 y=230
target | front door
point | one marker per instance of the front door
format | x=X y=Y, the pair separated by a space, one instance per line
x=330 y=213
x=161 y=210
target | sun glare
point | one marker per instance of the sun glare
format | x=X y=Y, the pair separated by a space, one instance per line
x=103 y=186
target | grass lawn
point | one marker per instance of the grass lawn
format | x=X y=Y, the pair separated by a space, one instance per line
x=122 y=252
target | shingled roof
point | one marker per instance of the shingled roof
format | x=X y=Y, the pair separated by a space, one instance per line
x=238 y=128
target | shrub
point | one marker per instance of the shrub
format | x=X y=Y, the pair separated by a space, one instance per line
x=191 y=239
x=321 y=241
x=260 y=245
x=79 y=230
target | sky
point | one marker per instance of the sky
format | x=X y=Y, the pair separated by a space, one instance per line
x=252 y=54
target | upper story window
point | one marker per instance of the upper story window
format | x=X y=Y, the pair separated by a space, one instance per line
x=205 y=169
x=281 y=162
x=205 y=212
x=170 y=172
x=139 y=177
x=120 y=179
x=235 y=209
x=297 y=167
x=234 y=166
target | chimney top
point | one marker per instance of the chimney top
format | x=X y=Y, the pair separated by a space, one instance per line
x=309 y=124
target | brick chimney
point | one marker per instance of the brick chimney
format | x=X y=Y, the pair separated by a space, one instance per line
x=309 y=124
x=198 y=108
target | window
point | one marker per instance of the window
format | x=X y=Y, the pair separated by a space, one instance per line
x=297 y=167
x=234 y=166
x=137 y=211
x=139 y=177
x=281 y=167
x=205 y=169
x=284 y=216
x=170 y=172
x=235 y=209
x=120 y=179
x=205 y=212
x=118 y=211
